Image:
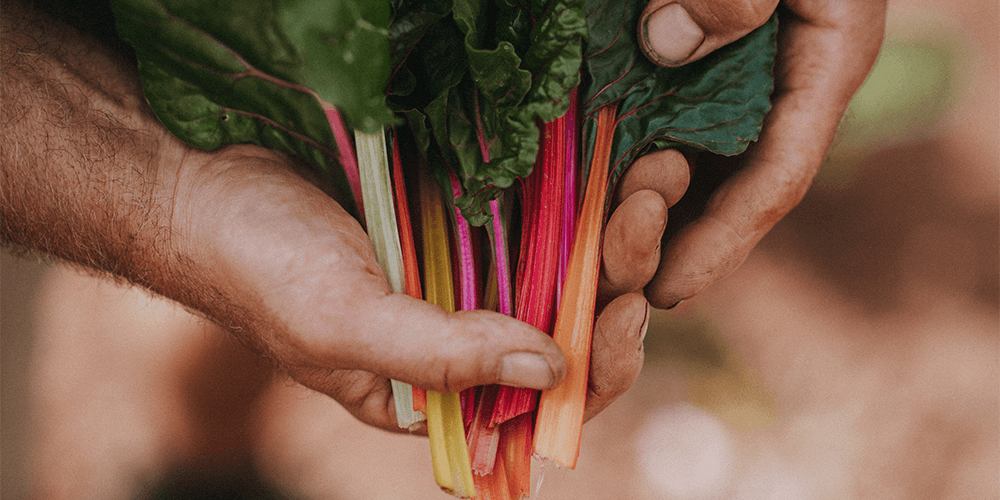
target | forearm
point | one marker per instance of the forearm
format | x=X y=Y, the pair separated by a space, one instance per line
x=85 y=168
x=90 y=176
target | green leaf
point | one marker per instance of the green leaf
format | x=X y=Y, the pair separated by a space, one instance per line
x=716 y=104
x=223 y=72
x=412 y=22
x=431 y=65
x=519 y=63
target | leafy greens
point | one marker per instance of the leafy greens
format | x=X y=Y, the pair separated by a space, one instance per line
x=716 y=104
x=229 y=71
x=471 y=78
x=482 y=78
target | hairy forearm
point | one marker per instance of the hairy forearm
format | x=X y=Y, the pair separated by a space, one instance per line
x=85 y=168
x=90 y=176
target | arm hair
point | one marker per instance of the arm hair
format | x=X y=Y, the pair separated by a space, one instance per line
x=85 y=168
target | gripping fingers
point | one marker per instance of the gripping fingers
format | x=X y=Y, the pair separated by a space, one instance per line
x=632 y=238
x=827 y=53
x=617 y=353
x=632 y=244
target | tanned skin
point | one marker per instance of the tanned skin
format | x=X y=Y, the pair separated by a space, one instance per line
x=244 y=239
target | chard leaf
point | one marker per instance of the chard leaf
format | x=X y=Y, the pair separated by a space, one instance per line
x=228 y=71
x=715 y=104
x=519 y=63
x=413 y=22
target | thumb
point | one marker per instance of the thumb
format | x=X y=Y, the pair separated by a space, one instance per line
x=405 y=339
x=450 y=352
x=674 y=33
x=417 y=342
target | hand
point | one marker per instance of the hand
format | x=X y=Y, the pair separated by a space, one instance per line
x=241 y=237
x=90 y=176
x=825 y=50
x=298 y=276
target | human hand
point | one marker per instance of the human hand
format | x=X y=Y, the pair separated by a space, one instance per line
x=825 y=51
x=241 y=237
x=300 y=282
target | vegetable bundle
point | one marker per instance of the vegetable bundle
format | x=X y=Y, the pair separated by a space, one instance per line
x=478 y=141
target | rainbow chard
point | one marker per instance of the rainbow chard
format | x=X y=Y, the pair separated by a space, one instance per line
x=630 y=105
x=483 y=104
x=560 y=411
x=539 y=263
x=315 y=77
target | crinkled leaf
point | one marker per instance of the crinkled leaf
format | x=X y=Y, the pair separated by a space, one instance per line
x=521 y=61
x=716 y=104
x=413 y=22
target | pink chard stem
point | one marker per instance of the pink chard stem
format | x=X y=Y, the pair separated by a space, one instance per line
x=348 y=158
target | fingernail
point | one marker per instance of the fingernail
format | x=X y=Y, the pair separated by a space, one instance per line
x=525 y=369
x=671 y=35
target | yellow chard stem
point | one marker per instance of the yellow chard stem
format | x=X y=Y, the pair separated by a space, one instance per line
x=445 y=427
x=449 y=453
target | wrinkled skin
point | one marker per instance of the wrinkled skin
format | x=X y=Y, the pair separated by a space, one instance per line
x=241 y=237
x=825 y=52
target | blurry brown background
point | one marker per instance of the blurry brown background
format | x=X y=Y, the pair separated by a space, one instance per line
x=856 y=354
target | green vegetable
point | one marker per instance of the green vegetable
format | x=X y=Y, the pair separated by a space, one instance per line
x=229 y=71
x=472 y=79
x=483 y=103
x=715 y=104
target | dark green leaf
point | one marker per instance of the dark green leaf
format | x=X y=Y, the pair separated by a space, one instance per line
x=521 y=62
x=715 y=104
x=224 y=72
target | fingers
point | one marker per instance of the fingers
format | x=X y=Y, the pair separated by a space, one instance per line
x=367 y=336
x=665 y=172
x=617 y=353
x=631 y=252
x=738 y=214
x=676 y=32
x=416 y=342
x=615 y=364
x=826 y=57
x=302 y=275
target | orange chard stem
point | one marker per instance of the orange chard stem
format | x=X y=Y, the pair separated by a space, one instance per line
x=515 y=448
x=411 y=267
x=560 y=410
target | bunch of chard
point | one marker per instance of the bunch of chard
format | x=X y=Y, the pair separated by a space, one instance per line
x=478 y=142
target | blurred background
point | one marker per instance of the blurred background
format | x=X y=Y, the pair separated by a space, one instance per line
x=856 y=354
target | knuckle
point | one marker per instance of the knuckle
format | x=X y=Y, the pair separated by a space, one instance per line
x=461 y=363
x=741 y=17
